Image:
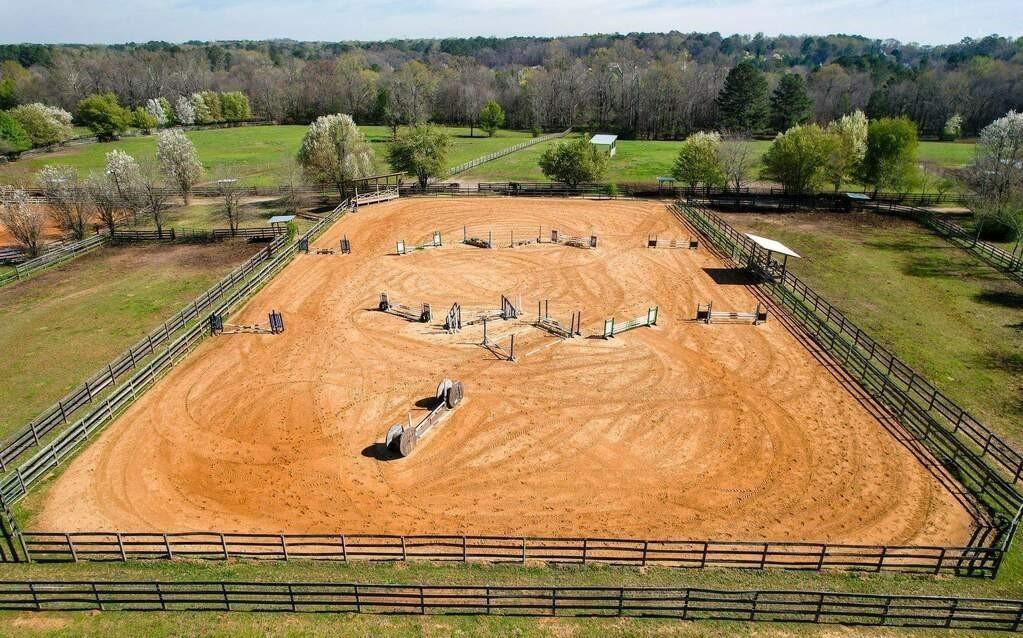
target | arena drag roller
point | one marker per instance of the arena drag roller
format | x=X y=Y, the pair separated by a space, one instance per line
x=403 y=440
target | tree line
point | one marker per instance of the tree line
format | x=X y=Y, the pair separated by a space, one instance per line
x=662 y=86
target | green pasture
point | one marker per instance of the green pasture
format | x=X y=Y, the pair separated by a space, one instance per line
x=61 y=326
x=646 y=160
x=953 y=318
x=255 y=155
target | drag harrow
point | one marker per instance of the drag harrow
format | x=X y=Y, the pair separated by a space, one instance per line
x=274 y=325
x=422 y=314
x=403 y=440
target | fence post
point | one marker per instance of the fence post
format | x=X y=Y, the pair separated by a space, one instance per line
x=404 y=553
x=284 y=548
x=645 y=544
x=344 y=549
x=95 y=594
x=120 y=546
x=166 y=543
x=223 y=545
x=71 y=546
x=464 y=556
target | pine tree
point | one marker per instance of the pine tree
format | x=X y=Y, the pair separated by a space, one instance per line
x=790 y=104
x=743 y=100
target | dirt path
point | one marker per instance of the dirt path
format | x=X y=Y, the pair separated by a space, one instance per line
x=680 y=431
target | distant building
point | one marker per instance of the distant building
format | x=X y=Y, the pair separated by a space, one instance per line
x=607 y=142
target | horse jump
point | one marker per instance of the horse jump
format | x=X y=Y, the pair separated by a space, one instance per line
x=346 y=247
x=545 y=322
x=691 y=243
x=649 y=319
x=404 y=249
x=506 y=353
x=274 y=326
x=479 y=242
x=578 y=242
x=707 y=314
x=404 y=440
x=422 y=315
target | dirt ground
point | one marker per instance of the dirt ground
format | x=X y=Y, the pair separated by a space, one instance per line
x=682 y=430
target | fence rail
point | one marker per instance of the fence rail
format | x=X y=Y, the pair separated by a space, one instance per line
x=473 y=163
x=43 y=546
x=133 y=364
x=960 y=443
x=60 y=254
x=196 y=234
x=681 y=603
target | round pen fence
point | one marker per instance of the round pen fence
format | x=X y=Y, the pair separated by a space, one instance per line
x=678 y=603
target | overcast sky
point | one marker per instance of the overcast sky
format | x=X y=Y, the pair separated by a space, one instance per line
x=107 y=21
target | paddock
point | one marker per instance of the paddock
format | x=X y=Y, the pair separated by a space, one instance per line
x=675 y=431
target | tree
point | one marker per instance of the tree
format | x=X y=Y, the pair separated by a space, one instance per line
x=889 y=162
x=155 y=110
x=23 y=221
x=168 y=113
x=334 y=152
x=104 y=115
x=235 y=107
x=184 y=112
x=143 y=120
x=384 y=110
x=13 y=138
x=738 y=157
x=743 y=102
x=104 y=198
x=798 y=158
x=995 y=176
x=421 y=151
x=491 y=117
x=953 y=128
x=790 y=104
x=126 y=177
x=574 y=162
x=179 y=161
x=65 y=198
x=154 y=195
x=850 y=132
x=231 y=196
x=698 y=161
x=43 y=124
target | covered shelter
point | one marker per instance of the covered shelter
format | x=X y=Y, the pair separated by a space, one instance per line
x=606 y=142
x=763 y=259
x=280 y=222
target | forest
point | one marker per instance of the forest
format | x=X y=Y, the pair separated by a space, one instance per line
x=639 y=85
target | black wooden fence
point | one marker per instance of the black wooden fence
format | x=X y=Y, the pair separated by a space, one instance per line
x=989 y=444
x=680 y=603
x=141 y=373
x=196 y=234
x=691 y=554
x=956 y=440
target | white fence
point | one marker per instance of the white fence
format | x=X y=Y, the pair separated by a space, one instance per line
x=461 y=168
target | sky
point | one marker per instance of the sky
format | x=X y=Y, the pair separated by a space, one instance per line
x=115 y=21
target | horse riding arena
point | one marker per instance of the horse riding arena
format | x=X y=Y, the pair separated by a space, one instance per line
x=681 y=429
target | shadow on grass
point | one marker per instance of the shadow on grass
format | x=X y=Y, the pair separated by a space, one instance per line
x=940 y=266
x=1002 y=298
x=1011 y=362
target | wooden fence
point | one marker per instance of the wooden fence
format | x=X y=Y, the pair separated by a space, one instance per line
x=679 y=603
x=50 y=258
x=691 y=554
x=473 y=163
x=957 y=441
x=197 y=234
x=989 y=444
x=140 y=375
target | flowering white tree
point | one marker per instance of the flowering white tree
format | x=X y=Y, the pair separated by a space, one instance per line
x=995 y=177
x=104 y=198
x=201 y=109
x=23 y=221
x=44 y=124
x=155 y=108
x=850 y=147
x=126 y=176
x=179 y=161
x=184 y=111
x=67 y=200
x=953 y=128
x=335 y=152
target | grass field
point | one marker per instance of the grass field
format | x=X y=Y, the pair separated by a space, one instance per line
x=645 y=160
x=256 y=155
x=59 y=327
x=947 y=314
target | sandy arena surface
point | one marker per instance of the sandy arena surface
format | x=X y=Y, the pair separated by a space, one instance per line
x=679 y=431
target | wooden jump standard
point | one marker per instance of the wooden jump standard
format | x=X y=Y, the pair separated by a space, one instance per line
x=422 y=315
